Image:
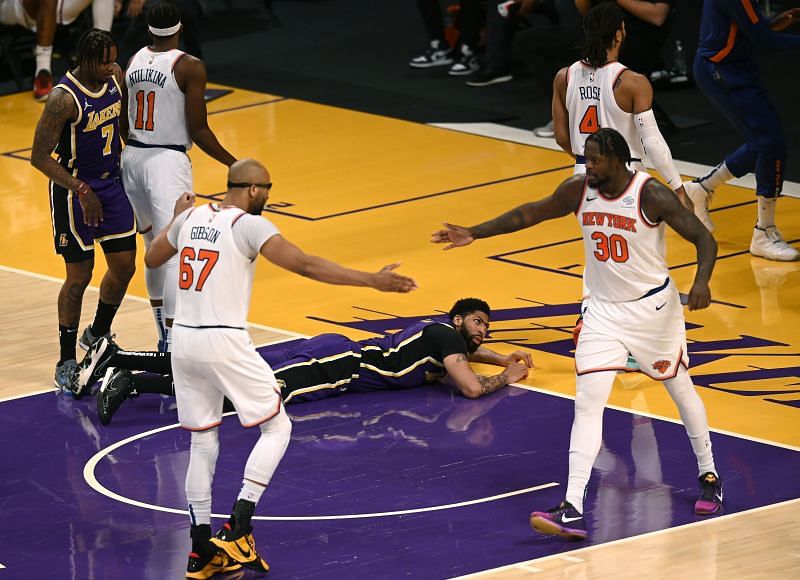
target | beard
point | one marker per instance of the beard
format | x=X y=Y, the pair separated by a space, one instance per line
x=595 y=182
x=257 y=206
x=471 y=346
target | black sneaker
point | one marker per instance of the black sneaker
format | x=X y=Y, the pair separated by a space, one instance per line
x=710 y=500
x=491 y=77
x=94 y=363
x=466 y=62
x=202 y=567
x=563 y=520
x=116 y=386
x=439 y=54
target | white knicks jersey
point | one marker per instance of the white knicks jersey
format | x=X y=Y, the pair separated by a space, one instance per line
x=217 y=248
x=591 y=106
x=156 y=104
x=625 y=252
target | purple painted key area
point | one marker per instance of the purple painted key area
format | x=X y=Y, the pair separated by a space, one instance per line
x=355 y=454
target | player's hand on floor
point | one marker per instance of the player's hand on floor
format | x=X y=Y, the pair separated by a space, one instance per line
x=522 y=356
x=699 y=296
x=184 y=202
x=387 y=280
x=515 y=372
x=457 y=236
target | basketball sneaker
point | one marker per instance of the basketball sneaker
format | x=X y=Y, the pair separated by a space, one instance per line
x=700 y=198
x=710 y=500
x=42 y=85
x=65 y=377
x=769 y=243
x=87 y=339
x=237 y=540
x=96 y=360
x=438 y=54
x=466 y=62
x=563 y=520
x=202 y=567
x=116 y=386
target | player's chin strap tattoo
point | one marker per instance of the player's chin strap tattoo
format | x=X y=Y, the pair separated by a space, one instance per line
x=491 y=384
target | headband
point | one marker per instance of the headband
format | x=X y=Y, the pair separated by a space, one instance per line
x=164 y=31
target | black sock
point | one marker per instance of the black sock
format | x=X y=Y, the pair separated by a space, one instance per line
x=154 y=362
x=67 y=338
x=156 y=384
x=103 y=318
x=240 y=518
x=201 y=540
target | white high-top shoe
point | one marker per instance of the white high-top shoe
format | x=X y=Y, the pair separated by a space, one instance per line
x=768 y=243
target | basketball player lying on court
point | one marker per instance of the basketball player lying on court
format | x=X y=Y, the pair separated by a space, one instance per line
x=633 y=306
x=328 y=365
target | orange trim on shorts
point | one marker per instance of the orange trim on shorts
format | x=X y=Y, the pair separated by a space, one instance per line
x=680 y=363
x=751 y=12
x=265 y=419
x=197 y=429
x=728 y=45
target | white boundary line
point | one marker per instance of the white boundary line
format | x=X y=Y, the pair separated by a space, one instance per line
x=89 y=477
x=526 y=137
x=580 y=551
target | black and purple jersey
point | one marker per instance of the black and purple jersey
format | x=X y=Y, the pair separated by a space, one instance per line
x=90 y=147
x=329 y=364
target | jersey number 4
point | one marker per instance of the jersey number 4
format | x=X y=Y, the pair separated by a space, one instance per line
x=145 y=110
x=188 y=255
x=589 y=123
x=613 y=246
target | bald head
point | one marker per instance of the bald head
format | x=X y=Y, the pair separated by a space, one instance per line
x=248 y=171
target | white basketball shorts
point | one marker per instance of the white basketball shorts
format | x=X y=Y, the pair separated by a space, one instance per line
x=211 y=363
x=652 y=329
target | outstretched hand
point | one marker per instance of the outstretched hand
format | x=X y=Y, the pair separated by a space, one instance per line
x=387 y=280
x=457 y=236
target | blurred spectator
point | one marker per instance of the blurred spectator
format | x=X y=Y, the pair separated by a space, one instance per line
x=135 y=35
x=461 y=57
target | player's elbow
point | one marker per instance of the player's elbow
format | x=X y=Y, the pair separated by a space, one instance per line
x=471 y=391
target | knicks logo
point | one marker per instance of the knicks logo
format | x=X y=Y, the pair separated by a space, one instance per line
x=662 y=365
x=63 y=241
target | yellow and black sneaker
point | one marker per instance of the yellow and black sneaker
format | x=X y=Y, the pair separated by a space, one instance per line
x=241 y=547
x=200 y=568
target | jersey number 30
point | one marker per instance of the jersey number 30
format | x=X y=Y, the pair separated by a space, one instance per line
x=145 y=111
x=613 y=246
x=188 y=255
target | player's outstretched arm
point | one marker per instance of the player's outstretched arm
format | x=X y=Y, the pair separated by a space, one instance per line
x=471 y=385
x=659 y=203
x=285 y=254
x=563 y=201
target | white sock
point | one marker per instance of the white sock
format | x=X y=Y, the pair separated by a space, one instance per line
x=103 y=14
x=203 y=453
x=591 y=393
x=44 y=58
x=158 y=316
x=251 y=491
x=766 y=211
x=693 y=416
x=719 y=175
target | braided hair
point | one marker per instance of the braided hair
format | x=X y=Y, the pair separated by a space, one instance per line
x=600 y=26
x=163 y=14
x=94 y=47
x=611 y=142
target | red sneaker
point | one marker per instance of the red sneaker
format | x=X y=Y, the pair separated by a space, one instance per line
x=42 y=85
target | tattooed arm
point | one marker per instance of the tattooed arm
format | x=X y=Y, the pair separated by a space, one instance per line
x=565 y=200
x=59 y=110
x=471 y=385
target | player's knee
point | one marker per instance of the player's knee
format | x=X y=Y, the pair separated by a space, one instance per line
x=79 y=274
x=205 y=442
x=279 y=427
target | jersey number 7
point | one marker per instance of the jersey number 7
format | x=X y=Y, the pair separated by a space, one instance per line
x=188 y=255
